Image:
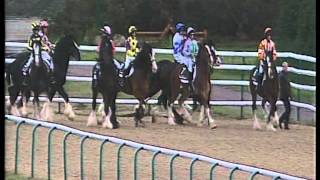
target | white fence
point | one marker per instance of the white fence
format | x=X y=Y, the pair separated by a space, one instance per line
x=147 y=147
x=169 y=51
x=216 y=82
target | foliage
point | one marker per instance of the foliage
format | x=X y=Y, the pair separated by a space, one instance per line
x=293 y=21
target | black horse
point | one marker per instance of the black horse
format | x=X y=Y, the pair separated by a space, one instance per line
x=138 y=84
x=205 y=60
x=66 y=49
x=104 y=80
x=269 y=93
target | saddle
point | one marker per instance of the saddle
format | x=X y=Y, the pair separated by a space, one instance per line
x=185 y=76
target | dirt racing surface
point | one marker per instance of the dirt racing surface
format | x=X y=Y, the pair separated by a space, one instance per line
x=287 y=151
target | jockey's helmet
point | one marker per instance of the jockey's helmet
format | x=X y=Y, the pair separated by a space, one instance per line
x=190 y=30
x=35 y=26
x=132 y=29
x=106 y=29
x=44 y=23
x=267 y=31
x=180 y=27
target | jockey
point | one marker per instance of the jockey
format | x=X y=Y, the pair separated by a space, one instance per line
x=178 y=41
x=36 y=35
x=132 y=50
x=106 y=32
x=266 y=50
x=44 y=34
x=189 y=51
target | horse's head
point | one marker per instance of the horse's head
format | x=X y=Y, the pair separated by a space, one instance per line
x=69 y=46
x=209 y=49
x=147 y=56
x=105 y=51
x=36 y=51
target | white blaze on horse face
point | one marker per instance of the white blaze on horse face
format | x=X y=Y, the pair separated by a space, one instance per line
x=210 y=54
x=154 y=63
x=36 y=51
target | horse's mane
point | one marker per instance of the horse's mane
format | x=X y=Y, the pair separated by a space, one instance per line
x=143 y=57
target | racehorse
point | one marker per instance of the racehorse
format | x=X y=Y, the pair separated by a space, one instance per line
x=269 y=93
x=205 y=60
x=104 y=80
x=137 y=84
x=66 y=49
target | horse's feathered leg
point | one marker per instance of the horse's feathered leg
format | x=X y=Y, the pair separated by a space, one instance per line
x=256 y=124
x=139 y=113
x=201 y=116
x=92 y=119
x=114 y=121
x=68 y=108
x=263 y=105
x=271 y=117
x=24 y=112
x=108 y=111
x=36 y=105
x=13 y=93
x=210 y=118
x=185 y=113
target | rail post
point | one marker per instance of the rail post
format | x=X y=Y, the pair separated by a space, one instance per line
x=232 y=172
x=298 y=108
x=135 y=168
x=59 y=108
x=241 y=98
x=212 y=169
x=101 y=158
x=32 y=149
x=191 y=167
x=253 y=175
x=49 y=151
x=118 y=160
x=65 y=155
x=171 y=165
x=17 y=146
x=81 y=156
x=153 y=173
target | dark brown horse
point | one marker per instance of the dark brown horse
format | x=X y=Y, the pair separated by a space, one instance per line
x=269 y=93
x=66 y=49
x=205 y=61
x=104 y=80
x=138 y=83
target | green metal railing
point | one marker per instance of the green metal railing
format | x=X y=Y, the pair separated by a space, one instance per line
x=124 y=143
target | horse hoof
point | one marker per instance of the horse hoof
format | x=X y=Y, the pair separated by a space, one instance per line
x=271 y=128
x=107 y=124
x=213 y=126
x=92 y=120
x=71 y=116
